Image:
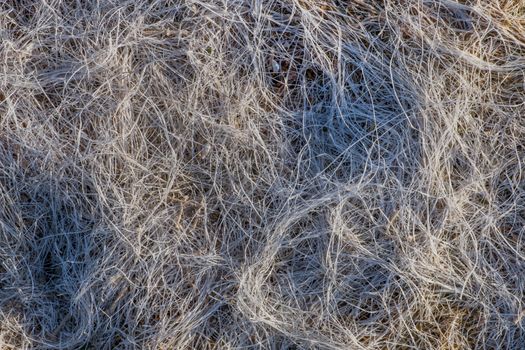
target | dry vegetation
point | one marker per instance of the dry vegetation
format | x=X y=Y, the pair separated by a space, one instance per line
x=262 y=174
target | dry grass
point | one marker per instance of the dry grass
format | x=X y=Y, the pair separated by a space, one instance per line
x=281 y=174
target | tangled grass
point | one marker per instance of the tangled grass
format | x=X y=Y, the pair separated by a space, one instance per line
x=262 y=174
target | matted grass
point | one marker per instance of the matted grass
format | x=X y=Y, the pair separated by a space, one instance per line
x=288 y=174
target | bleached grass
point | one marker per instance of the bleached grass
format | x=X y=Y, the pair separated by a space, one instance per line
x=288 y=174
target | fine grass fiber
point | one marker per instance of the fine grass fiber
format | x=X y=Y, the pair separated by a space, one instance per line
x=262 y=174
